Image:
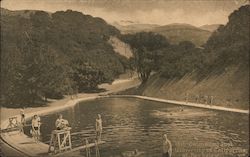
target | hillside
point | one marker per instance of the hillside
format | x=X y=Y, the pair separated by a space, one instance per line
x=225 y=88
x=120 y=47
x=175 y=33
x=51 y=54
x=21 y=13
x=134 y=28
x=210 y=28
x=221 y=69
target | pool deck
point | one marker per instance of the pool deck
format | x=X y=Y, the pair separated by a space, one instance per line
x=28 y=147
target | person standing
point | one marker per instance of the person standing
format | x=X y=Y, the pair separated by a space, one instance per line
x=22 y=121
x=167 y=147
x=98 y=127
x=36 y=127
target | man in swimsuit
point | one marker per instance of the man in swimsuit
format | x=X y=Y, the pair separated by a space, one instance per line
x=98 y=127
x=36 y=127
x=167 y=147
x=61 y=123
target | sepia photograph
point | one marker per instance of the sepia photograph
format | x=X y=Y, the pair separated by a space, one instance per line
x=125 y=78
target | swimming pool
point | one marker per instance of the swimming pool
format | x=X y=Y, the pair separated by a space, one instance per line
x=131 y=123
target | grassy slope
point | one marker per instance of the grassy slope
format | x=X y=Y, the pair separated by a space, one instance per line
x=230 y=89
x=120 y=47
x=210 y=28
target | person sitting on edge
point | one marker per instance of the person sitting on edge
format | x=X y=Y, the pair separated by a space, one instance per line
x=36 y=127
x=98 y=127
x=167 y=147
x=61 y=123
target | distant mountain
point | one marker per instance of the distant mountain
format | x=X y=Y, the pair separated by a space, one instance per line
x=134 y=28
x=210 y=28
x=21 y=13
x=175 y=32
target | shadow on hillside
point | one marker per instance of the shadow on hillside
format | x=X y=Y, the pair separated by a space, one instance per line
x=44 y=103
x=40 y=103
x=96 y=90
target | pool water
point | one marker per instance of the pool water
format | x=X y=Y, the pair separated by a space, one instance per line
x=130 y=124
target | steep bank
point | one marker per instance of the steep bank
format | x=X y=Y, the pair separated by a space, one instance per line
x=229 y=89
x=221 y=68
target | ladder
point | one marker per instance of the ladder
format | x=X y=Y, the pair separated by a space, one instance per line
x=60 y=141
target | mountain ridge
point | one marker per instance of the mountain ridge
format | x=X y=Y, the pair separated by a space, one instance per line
x=211 y=27
x=175 y=32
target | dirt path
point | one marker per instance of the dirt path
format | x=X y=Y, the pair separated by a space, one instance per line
x=116 y=86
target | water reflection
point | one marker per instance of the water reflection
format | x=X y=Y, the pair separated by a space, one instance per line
x=138 y=124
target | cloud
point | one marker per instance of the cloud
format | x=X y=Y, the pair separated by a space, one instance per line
x=160 y=12
x=162 y=17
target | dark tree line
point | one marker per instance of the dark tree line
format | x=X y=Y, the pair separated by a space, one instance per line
x=50 y=55
x=153 y=53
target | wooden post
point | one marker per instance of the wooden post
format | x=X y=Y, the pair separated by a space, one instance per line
x=97 y=153
x=60 y=141
x=87 y=148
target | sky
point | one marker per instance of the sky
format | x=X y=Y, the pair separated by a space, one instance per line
x=161 y=12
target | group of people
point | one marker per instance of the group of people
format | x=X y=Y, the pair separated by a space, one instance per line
x=61 y=124
x=35 y=125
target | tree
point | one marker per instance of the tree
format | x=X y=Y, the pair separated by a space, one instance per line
x=87 y=77
x=146 y=46
x=41 y=55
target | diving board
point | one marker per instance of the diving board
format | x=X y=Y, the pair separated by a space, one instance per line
x=80 y=148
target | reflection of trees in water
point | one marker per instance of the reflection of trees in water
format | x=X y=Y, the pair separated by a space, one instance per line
x=129 y=124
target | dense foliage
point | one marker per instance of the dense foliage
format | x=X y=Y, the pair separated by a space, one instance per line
x=145 y=46
x=153 y=53
x=47 y=55
x=178 y=60
x=228 y=46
